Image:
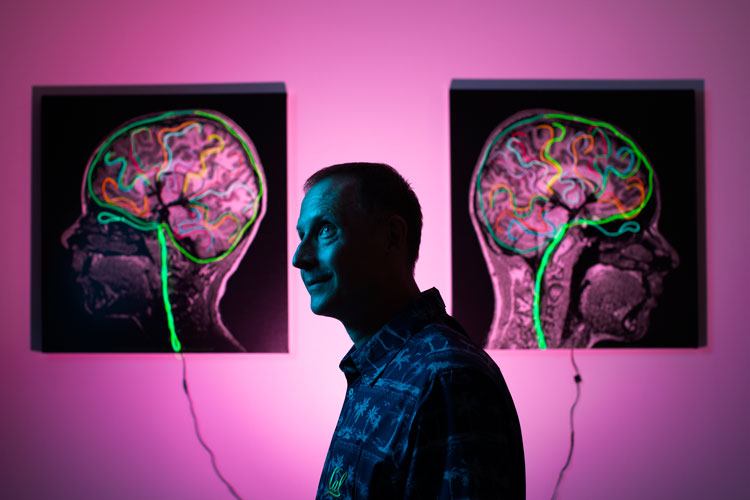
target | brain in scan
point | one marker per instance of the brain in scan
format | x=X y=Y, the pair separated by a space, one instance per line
x=566 y=209
x=193 y=172
x=549 y=171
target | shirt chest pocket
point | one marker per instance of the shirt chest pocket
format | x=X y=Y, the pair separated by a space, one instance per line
x=340 y=473
x=355 y=473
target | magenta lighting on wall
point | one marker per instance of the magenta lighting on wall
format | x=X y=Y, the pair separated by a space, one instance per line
x=159 y=219
x=578 y=212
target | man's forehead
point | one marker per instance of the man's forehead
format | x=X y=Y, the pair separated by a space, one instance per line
x=333 y=197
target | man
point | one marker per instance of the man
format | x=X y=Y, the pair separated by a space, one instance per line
x=427 y=413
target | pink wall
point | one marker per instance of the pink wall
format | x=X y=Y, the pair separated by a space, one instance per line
x=369 y=81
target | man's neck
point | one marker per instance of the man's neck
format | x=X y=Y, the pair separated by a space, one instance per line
x=390 y=305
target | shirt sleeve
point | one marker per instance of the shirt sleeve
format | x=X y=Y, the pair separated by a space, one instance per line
x=465 y=440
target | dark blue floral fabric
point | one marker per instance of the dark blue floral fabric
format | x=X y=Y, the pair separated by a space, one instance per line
x=427 y=414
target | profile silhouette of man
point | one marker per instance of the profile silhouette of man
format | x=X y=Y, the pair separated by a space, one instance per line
x=427 y=413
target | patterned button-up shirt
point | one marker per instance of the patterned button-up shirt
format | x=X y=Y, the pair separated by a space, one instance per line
x=427 y=414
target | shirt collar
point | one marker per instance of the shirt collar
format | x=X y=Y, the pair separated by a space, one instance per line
x=369 y=360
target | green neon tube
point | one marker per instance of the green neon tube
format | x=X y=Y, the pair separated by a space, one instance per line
x=176 y=346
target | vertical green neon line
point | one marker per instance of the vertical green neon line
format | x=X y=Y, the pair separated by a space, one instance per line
x=176 y=346
x=538 y=285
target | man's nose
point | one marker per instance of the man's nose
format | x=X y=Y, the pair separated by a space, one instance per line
x=303 y=258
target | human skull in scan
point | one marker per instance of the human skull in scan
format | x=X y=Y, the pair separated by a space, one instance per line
x=566 y=210
x=170 y=203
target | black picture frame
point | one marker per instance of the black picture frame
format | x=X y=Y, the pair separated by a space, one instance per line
x=665 y=117
x=68 y=124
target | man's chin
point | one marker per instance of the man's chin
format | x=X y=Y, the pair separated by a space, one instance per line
x=318 y=308
x=323 y=306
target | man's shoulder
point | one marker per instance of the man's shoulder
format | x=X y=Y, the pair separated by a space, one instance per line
x=441 y=347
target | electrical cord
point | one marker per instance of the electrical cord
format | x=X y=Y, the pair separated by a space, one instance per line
x=198 y=432
x=577 y=378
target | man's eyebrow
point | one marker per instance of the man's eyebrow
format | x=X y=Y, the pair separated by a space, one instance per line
x=299 y=227
x=311 y=222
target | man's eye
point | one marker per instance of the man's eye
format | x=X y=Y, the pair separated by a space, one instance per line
x=327 y=231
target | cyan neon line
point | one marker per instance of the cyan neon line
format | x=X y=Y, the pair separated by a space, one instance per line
x=168 y=150
x=573 y=181
x=632 y=159
x=595 y=129
x=107 y=217
x=137 y=162
x=223 y=194
x=612 y=169
x=524 y=164
x=199 y=229
x=191 y=208
x=176 y=346
x=213 y=224
x=627 y=227
x=227 y=194
x=205 y=223
x=124 y=187
x=530 y=230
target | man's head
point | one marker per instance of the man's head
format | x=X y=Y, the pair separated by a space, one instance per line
x=382 y=190
x=360 y=227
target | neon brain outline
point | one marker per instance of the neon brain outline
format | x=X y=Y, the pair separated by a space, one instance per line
x=194 y=172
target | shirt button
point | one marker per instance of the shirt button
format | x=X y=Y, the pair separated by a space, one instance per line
x=351 y=392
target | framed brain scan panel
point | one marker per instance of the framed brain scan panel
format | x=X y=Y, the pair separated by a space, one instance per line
x=159 y=219
x=578 y=213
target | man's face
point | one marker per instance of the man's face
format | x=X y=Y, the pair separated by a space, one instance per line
x=340 y=253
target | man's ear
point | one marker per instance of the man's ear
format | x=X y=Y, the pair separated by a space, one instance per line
x=396 y=230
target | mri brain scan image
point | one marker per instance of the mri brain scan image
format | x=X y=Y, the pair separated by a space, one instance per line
x=566 y=211
x=170 y=203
